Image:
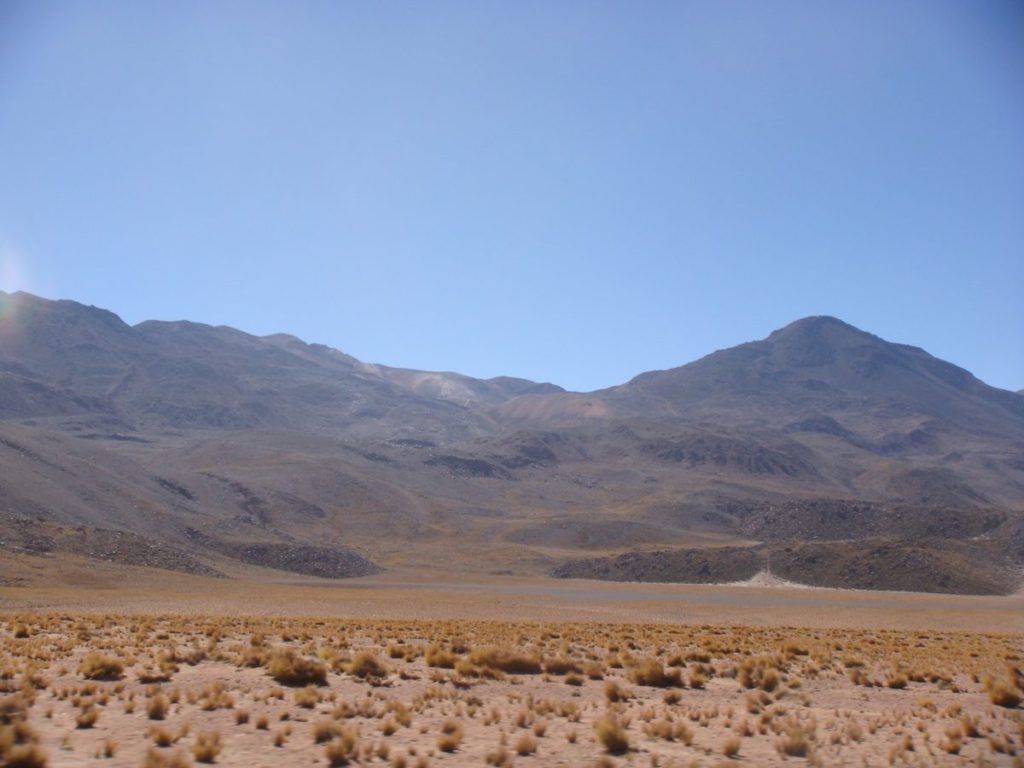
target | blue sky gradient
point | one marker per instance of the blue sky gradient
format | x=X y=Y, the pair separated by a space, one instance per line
x=572 y=192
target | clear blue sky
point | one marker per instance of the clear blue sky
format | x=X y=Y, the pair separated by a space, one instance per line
x=566 y=191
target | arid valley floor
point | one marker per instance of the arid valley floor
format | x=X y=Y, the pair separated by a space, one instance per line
x=129 y=667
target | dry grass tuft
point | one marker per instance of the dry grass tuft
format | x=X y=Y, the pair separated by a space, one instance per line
x=367 y=666
x=154 y=759
x=525 y=745
x=440 y=658
x=1003 y=693
x=24 y=756
x=87 y=717
x=97 y=666
x=499 y=757
x=157 y=707
x=611 y=733
x=307 y=697
x=506 y=660
x=451 y=736
x=796 y=739
x=344 y=749
x=325 y=730
x=731 y=747
x=207 y=747
x=652 y=673
x=288 y=668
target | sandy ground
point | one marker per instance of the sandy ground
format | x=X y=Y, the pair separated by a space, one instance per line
x=858 y=678
x=777 y=695
x=92 y=587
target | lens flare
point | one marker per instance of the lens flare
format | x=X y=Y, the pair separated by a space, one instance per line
x=12 y=278
x=12 y=274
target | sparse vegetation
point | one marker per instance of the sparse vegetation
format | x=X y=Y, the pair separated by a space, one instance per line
x=731 y=746
x=611 y=733
x=508 y=660
x=366 y=665
x=207 y=747
x=288 y=668
x=98 y=666
x=755 y=703
x=1004 y=693
x=451 y=736
x=157 y=707
x=342 y=749
x=652 y=672
x=526 y=745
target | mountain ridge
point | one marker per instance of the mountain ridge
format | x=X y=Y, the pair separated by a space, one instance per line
x=231 y=450
x=284 y=338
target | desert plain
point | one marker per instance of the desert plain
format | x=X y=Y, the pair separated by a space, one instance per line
x=105 y=664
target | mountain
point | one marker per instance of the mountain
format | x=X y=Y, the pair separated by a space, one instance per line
x=61 y=360
x=818 y=369
x=822 y=365
x=192 y=447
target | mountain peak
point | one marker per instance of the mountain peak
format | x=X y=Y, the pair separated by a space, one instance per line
x=816 y=341
x=824 y=326
x=35 y=308
x=818 y=321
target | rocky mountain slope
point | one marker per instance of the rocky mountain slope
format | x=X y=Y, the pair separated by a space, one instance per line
x=220 y=450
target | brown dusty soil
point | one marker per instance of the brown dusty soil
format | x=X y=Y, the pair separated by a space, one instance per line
x=82 y=585
x=836 y=697
x=861 y=678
